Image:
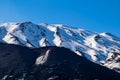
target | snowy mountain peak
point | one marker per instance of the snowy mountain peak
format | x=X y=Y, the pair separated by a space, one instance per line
x=97 y=47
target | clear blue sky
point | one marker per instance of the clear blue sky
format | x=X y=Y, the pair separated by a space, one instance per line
x=93 y=15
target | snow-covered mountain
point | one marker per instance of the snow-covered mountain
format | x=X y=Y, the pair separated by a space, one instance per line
x=101 y=48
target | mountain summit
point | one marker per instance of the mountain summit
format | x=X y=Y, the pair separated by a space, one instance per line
x=102 y=48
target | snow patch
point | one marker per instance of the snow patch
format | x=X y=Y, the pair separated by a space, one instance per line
x=43 y=58
x=57 y=40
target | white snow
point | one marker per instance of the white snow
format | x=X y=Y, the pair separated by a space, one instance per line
x=42 y=59
x=10 y=39
x=5 y=77
x=42 y=42
x=57 y=40
x=93 y=54
x=52 y=28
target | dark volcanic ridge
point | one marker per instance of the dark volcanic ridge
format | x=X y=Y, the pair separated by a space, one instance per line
x=49 y=63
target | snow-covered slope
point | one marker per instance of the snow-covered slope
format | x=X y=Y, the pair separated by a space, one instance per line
x=102 y=48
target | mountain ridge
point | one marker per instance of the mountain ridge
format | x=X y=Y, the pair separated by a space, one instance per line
x=49 y=63
x=97 y=47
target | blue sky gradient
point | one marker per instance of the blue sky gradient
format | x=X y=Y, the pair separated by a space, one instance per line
x=93 y=15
